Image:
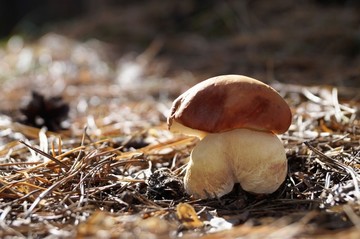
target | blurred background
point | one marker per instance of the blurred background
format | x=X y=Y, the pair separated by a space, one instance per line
x=294 y=41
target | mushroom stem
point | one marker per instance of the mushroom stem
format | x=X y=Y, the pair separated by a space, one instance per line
x=208 y=174
x=255 y=159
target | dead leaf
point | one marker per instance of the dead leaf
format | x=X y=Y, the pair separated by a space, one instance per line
x=188 y=217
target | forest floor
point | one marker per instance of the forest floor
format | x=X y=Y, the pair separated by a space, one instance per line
x=85 y=150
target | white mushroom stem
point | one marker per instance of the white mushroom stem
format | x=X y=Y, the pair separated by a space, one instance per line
x=255 y=159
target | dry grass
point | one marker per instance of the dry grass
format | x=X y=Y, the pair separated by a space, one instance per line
x=94 y=178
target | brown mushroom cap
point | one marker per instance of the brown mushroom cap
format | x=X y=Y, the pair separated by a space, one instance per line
x=230 y=102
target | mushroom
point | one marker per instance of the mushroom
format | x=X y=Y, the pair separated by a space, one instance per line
x=236 y=119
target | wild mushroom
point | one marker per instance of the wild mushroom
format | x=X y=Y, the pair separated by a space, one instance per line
x=237 y=119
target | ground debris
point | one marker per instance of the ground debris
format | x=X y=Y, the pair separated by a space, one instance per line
x=117 y=171
x=187 y=215
x=49 y=112
x=163 y=184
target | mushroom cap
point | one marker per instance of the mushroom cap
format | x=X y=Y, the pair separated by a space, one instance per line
x=228 y=102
